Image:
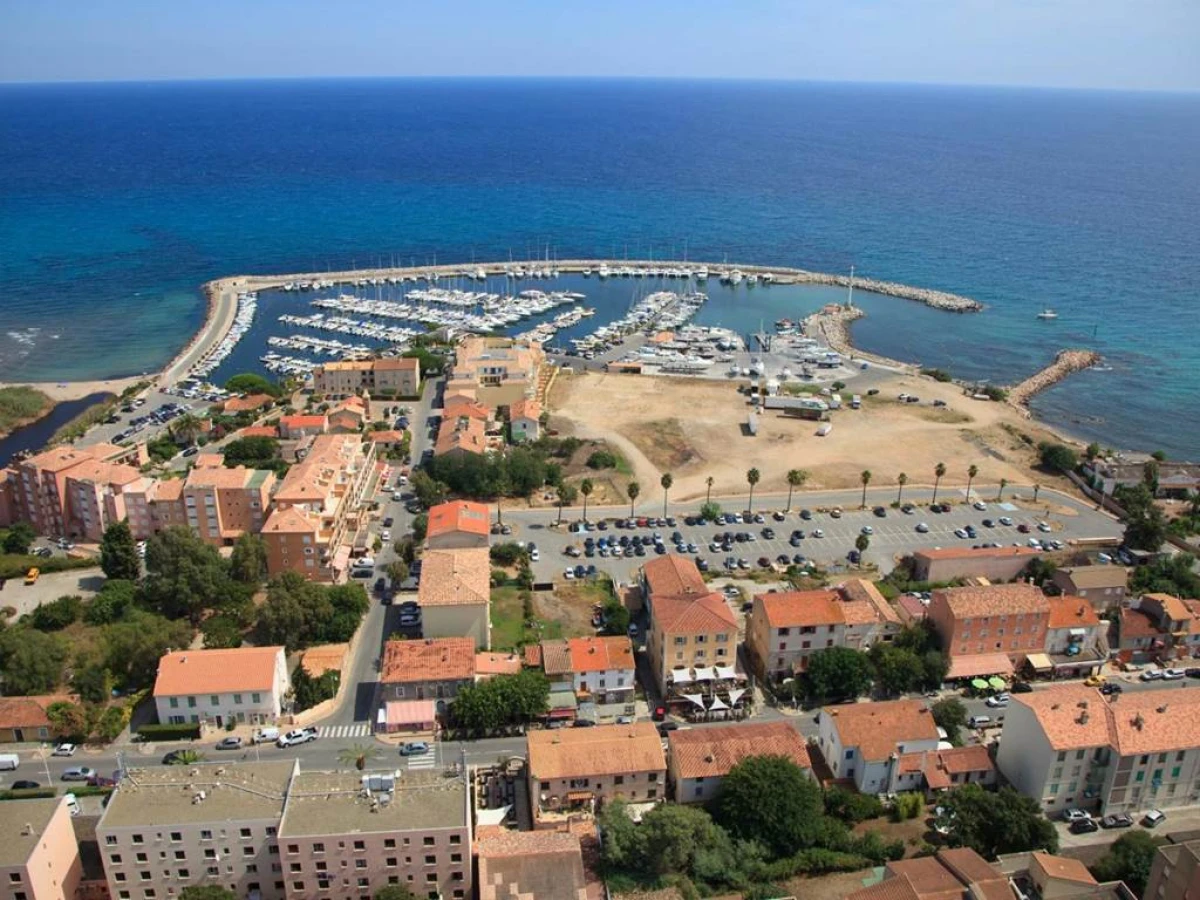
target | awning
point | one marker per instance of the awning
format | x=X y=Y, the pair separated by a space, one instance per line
x=578 y=796
x=718 y=703
x=996 y=684
x=979 y=664
x=561 y=714
x=695 y=698
x=735 y=695
x=411 y=712
x=1039 y=661
x=341 y=558
x=725 y=672
x=680 y=676
x=703 y=674
x=980 y=684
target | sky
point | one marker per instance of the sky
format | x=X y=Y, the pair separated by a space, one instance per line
x=1109 y=44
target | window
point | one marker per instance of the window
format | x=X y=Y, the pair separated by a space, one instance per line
x=455 y=839
x=429 y=841
x=180 y=855
x=115 y=858
x=145 y=876
x=139 y=839
x=390 y=843
x=248 y=852
x=183 y=873
x=619 y=779
x=1175 y=772
x=141 y=857
x=256 y=697
x=110 y=840
x=210 y=853
x=191 y=702
x=206 y=835
x=390 y=862
x=455 y=857
x=237 y=699
x=318 y=847
x=680 y=641
x=293 y=849
x=214 y=700
x=295 y=867
x=173 y=702
x=652 y=793
x=360 y=845
x=176 y=837
x=245 y=832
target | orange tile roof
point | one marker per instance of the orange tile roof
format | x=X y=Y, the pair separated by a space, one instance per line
x=290 y=422
x=58 y=458
x=459 y=405
x=29 y=712
x=1072 y=612
x=528 y=408
x=319 y=660
x=801 y=609
x=259 y=431
x=899 y=888
x=488 y=663
x=461 y=434
x=555 y=657
x=975 y=552
x=600 y=654
x=394 y=364
x=167 y=491
x=218 y=478
x=289 y=520
x=673 y=576
x=1135 y=623
x=245 y=404
x=878 y=728
x=105 y=473
x=859 y=612
x=708 y=614
x=861 y=589
x=532 y=654
x=961 y=760
x=208 y=461
x=712 y=752
x=1173 y=608
x=458 y=515
x=524 y=865
x=969 y=866
x=993 y=600
x=385 y=437
x=314 y=477
x=1063 y=868
x=602 y=750
x=216 y=671
x=928 y=876
x=455 y=578
x=440 y=659
x=972 y=665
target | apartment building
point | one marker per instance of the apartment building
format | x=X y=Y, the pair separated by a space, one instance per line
x=1175 y=872
x=1076 y=642
x=1070 y=746
x=864 y=742
x=425 y=670
x=455 y=595
x=496 y=371
x=389 y=377
x=349 y=416
x=1179 y=622
x=39 y=856
x=457 y=525
x=319 y=508
x=169 y=827
x=990 y=629
x=299 y=426
x=242 y=684
x=690 y=634
x=785 y=629
x=461 y=434
x=700 y=758
x=346 y=835
x=1101 y=586
x=220 y=504
x=599 y=669
x=1140 y=639
x=992 y=563
x=578 y=769
x=530 y=865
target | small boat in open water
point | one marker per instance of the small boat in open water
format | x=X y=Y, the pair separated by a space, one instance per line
x=1047 y=313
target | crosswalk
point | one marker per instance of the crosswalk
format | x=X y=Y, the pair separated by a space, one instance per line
x=427 y=761
x=358 y=729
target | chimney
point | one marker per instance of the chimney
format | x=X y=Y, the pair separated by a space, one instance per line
x=1139 y=722
x=1083 y=717
x=27 y=828
x=1162 y=709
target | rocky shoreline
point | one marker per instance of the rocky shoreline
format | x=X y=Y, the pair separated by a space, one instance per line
x=1066 y=362
x=937 y=299
x=832 y=325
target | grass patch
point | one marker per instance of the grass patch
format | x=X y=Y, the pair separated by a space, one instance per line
x=19 y=405
x=79 y=425
x=15 y=566
x=664 y=444
x=945 y=416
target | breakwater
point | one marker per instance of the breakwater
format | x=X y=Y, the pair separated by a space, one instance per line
x=831 y=325
x=1065 y=363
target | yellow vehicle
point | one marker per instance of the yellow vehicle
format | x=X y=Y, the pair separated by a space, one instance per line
x=1095 y=681
x=32 y=575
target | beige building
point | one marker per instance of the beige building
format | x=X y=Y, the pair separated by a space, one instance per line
x=499 y=371
x=865 y=742
x=1101 y=586
x=1175 y=872
x=39 y=856
x=319 y=507
x=220 y=504
x=457 y=525
x=599 y=669
x=385 y=377
x=168 y=827
x=529 y=865
x=992 y=563
x=525 y=420
x=581 y=768
x=242 y=684
x=346 y=835
x=455 y=595
x=424 y=670
x=784 y=629
x=700 y=758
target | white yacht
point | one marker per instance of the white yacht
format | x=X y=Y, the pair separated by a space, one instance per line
x=1047 y=313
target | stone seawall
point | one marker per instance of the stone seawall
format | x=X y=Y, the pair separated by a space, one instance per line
x=831 y=325
x=1065 y=363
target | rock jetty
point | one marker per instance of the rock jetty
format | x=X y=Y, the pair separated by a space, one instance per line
x=831 y=325
x=936 y=299
x=1065 y=363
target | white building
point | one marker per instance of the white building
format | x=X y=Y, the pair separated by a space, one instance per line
x=864 y=741
x=246 y=684
x=1071 y=746
x=599 y=669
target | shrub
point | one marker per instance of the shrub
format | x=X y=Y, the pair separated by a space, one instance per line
x=31 y=794
x=907 y=806
x=936 y=374
x=1057 y=457
x=507 y=554
x=183 y=732
x=851 y=806
x=57 y=614
x=602 y=459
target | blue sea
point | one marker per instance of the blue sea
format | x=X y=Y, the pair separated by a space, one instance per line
x=118 y=200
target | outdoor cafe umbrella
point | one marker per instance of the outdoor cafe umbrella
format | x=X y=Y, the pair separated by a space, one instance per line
x=979 y=684
x=996 y=683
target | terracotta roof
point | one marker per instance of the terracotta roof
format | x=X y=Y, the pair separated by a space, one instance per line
x=556 y=657
x=216 y=671
x=327 y=657
x=712 y=752
x=1135 y=623
x=440 y=659
x=878 y=728
x=928 y=877
x=313 y=479
x=289 y=520
x=458 y=405
x=455 y=578
x=458 y=515
x=708 y=614
x=962 y=760
x=1072 y=612
x=244 y=404
x=59 y=458
x=302 y=421
x=488 y=663
x=602 y=750
x=528 y=408
x=861 y=589
x=899 y=888
x=394 y=364
x=600 y=654
x=530 y=865
x=969 y=866
x=993 y=600
x=673 y=576
x=167 y=491
x=859 y=612
x=533 y=655
x=972 y=665
x=1063 y=868
x=218 y=478
x=461 y=433
x=1173 y=608
x=975 y=552
x=29 y=712
x=259 y=431
x=100 y=472
x=1095 y=576
x=801 y=609
x=208 y=461
x=385 y=437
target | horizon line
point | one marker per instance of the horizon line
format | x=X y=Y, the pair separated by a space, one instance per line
x=220 y=79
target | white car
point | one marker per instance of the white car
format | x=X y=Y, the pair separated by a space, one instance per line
x=960 y=533
x=385 y=535
x=1173 y=674
x=922 y=528
x=1042 y=526
x=817 y=533
x=65 y=750
x=999 y=701
x=295 y=738
x=534 y=554
x=1005 y=520
x=1075 y=815
x=569 y=574
x=980 y=505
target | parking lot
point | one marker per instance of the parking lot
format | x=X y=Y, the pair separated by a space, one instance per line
x=827 y=538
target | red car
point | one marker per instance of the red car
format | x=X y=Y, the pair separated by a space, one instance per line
x=660 y=713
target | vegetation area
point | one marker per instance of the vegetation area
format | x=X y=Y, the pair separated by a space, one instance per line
x=255 y=452
x=1173 y=575
x=310 y=691
x=19 y=405
x=501 y=702
x=251 y=383
x=1128 y=859
x=1058 y=458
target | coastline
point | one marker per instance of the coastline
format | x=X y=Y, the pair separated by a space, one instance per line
x=63 y=391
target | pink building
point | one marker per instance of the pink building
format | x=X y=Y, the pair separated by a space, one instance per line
x=46 y=486
x=39 y=856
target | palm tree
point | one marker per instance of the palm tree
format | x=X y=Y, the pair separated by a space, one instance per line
x=1036 y=489
x=585 y=488
x=938 y=471
x=1000 y=492
x=357 y=755
x=187 y=758
x=186 y=428
x=971 y=473
x=666 y=481
x=865 y=478
x=631 y=491
x=752 y=478
x=566 y=496
x=709 y=483
x=901 y=480
x=795 y=479
x=861 y=543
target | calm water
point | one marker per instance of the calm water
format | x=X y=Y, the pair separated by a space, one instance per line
x=35 y=435
x=116 y=201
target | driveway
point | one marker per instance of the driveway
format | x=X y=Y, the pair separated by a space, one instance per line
x=25 y=598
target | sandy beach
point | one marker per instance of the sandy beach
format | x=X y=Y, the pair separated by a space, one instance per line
x=62 y=391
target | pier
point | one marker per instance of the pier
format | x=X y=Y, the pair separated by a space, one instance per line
x=1065 y=363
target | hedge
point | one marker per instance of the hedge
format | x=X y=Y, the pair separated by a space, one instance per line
x=31 y=794
x=169 y=732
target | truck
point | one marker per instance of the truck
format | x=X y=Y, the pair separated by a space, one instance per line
x=856 y=402
x=835 y=401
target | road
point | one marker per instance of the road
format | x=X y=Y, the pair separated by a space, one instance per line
x=894 y=535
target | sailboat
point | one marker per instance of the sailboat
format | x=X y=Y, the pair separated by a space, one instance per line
x=1047 y=313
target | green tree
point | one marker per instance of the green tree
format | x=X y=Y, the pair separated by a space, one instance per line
x=110 y=603
x=1092 y=451
x=673 y=834
x=1057 y=457
x=666 y=481
x=427 y=490
x=1146 y=530
x=602 y=459
x=420 y=526
x=248 y=563
x=752 y=478
x=18 y=538
x=861 y=543
x=186 y=428
x=133 y=646
x=897 y=670
x=57 y=614
x=112 y=722
x=92 y=682
x=255 y=452
x=972 y=471
x=708 y=486
x=632 y=490
x=358 y=755
x=616 y=617
x=937 y=667
x=187 y=758
x=709 y=511
x=795 y=479
x=1000 y=490
x=250 y=383
x=30 y=661
x=185 y=577
x=838 y=673
x=585 y=488
x=995 y=823
x=938 y=472
x=566 y=496
x=221 y=631
x=309 y=691
x=503 y=700
x=1129 y=860
x=769 y=799
x=68 y=720
x=1039 y=570
x=865 y=478
x=118 y=553
x=951 y=714
x=1171 y=575
x=398 y=571
x=394 y=892
x=901 y=481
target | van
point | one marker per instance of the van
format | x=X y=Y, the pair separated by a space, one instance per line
x=266 y=736
x=980 y=721
x=32 y=575
x=9 y=762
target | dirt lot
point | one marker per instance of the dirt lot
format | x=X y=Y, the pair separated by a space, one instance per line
x=695 y=429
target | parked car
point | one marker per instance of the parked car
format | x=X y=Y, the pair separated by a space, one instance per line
x=1153 y=819
x=1119 y=820
x=660 y=713
x=297 y=737
x=25 y=785
x=1022 y=687
x=1173 y=674
x=65 y=750
x=1151 y=675
x=78 y=773
x=1083 y=826
x=1075 y=815
x=922 y=528
x=102 y=781
x=1111 y=687
x=414 y=748
x=999 y=701
x=229 y=743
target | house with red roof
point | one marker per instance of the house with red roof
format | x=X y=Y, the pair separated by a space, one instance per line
x=599 y=669
x=242 y=684
x=457 y=525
